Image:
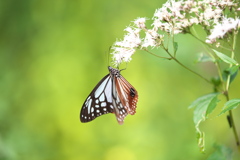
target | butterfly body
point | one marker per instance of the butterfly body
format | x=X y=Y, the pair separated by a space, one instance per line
x=113 y=94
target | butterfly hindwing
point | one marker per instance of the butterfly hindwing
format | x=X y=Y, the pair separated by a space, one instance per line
x=128 y=95
x=118 y=108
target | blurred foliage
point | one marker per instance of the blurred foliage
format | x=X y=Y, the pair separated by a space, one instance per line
x=52 y=53
x=221 y=153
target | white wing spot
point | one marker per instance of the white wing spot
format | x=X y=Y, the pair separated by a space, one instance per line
x=100 y=88
x=88 y=98
x=108 y=91
x=105 y=109
x=97 y=111
x=103 y=104
x=111 y=106
x=92 y=109
x=96 y=101
x=97 y=106
x=90 y=103
x=102 y=98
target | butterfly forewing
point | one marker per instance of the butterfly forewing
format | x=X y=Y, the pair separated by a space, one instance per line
x=99 y=101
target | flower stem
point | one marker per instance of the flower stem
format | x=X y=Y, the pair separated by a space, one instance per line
x=227 y=97
x=207 y=46
x=232 y=124
x=156 y=55
x=176 y=60
x=234 y=129
x=204 y=43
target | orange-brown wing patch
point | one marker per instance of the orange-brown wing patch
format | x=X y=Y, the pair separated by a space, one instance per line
x=127 y=94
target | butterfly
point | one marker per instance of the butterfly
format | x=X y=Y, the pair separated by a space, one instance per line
x=113 y=94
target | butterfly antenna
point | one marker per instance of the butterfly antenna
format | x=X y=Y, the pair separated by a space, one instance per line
x=124 y=68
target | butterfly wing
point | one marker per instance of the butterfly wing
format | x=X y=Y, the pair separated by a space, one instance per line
x=128 y=94
x=124 y=96
x=99 y=101
x=118 y=107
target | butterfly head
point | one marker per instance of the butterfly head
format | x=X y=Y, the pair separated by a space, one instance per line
x=114 y=71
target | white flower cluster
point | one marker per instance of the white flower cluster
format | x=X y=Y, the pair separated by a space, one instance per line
x=123 y=50
x=221 y=28
x=177 y=17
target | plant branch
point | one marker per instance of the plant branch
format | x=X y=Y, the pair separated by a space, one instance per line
x=176 y=60
x=207 y=46
x=156 y=55
x=227 y=97
x=232 y=124
x=199 y=39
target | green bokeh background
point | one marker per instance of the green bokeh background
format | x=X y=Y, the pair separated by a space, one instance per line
x=52 y=54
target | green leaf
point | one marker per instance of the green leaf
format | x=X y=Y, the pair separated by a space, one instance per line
x=203 y=99
x=212 y=105
x=204 y=58
x=199 y=113
x=232 y=71
x=203 y=107
x=216 y=81
x=200 y=138
x=221 y=153
x=175 y=45
x=229 y=105
x=225 y=58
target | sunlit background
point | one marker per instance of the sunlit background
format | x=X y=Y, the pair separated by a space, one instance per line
x=52 y=54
